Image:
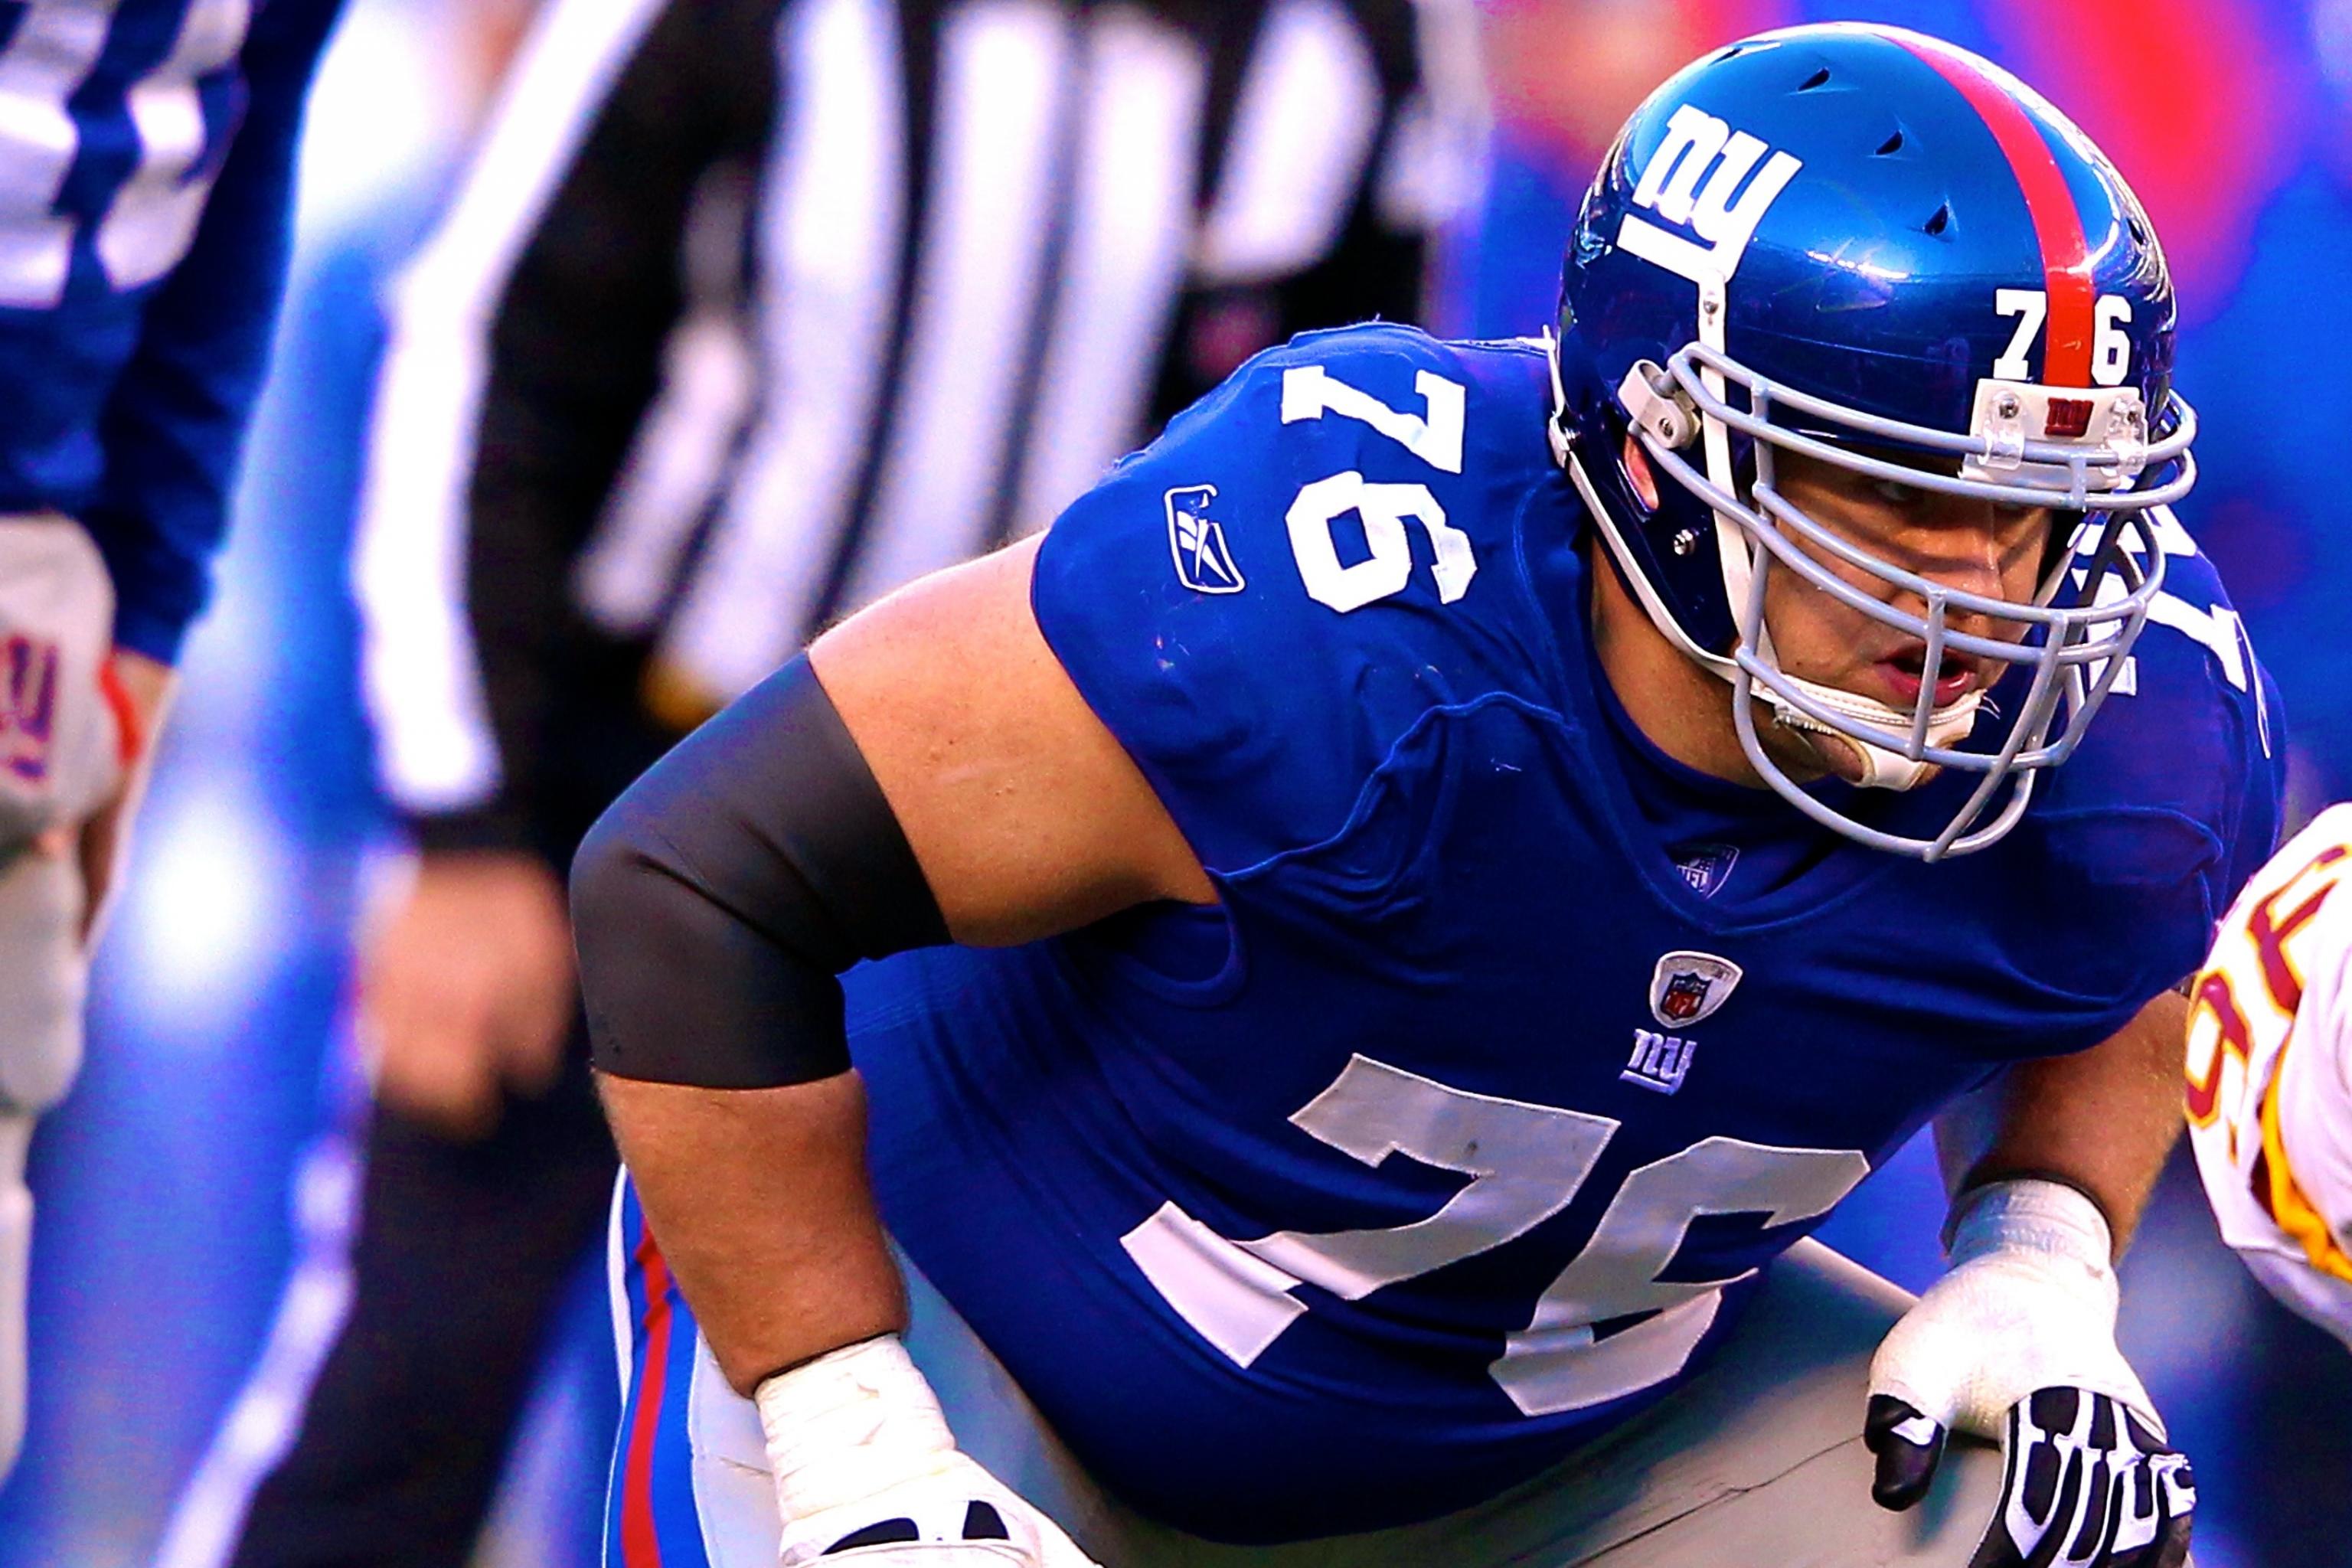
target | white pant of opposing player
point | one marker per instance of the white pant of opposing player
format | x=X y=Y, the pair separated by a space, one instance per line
x=1758 y=1460
x=59 y=758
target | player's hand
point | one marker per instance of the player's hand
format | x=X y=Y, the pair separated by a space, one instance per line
x=866 y=1472
x=466 y=988
x=2017 y=1342
x=2087 y=1483
x=139 y=690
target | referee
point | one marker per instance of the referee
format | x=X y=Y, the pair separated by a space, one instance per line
x=747 y=311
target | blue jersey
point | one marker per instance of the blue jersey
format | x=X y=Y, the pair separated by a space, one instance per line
x=1452 y=1135
x=146 y=183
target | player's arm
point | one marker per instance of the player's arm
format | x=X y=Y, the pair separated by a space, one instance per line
x=2100 y=1121
x=929 y=773
x=173 y=428
x=467 y=983
x=173 y=425
x=500 y=424
x=938 y=777
x=2049 y=1166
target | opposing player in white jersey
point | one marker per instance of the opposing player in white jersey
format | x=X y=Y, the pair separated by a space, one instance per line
x=2269 y=1074
x=146 y=185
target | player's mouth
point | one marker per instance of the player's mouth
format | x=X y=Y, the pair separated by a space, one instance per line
x=1906 y=669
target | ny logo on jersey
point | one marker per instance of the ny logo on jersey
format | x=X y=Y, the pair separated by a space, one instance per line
x=28 y=705
x=1204 y=561
x=1695 y=181
x=1659 y=1062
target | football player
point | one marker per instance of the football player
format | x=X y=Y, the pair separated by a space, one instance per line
x=1457 y=855
x=2269 y=1074
x=146 y=195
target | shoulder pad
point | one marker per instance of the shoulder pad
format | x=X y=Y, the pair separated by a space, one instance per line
x=2175 y=796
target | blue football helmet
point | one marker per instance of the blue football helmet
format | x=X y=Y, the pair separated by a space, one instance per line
x=1861 y=244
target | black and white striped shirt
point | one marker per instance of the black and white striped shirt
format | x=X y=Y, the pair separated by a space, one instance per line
x=750 y=310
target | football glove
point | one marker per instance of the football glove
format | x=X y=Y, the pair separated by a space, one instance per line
x=868 y=1473
x=2018 y=1342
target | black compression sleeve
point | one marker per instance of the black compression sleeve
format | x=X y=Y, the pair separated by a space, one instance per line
x=717 y=899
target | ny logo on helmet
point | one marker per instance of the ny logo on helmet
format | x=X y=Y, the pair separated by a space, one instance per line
x=1695 y=181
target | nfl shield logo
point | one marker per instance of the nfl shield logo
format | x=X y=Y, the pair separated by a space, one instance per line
x=1203 y=564
x=1688 y=986
x=1685 y=995
x=1706 y=867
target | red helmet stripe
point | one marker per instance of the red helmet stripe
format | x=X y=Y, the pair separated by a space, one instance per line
x=2066 y=256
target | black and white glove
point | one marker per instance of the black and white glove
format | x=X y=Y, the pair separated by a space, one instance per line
x=2018 y=1342
x=866 y=1472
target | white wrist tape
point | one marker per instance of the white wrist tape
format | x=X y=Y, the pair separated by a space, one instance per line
x=852 y=1423
x=2036 y=1216
x=2030 y=1302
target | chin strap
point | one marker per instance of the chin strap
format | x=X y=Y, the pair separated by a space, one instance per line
x=1881 y=768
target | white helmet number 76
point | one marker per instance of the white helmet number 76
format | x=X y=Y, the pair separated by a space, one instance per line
x=2110 y=344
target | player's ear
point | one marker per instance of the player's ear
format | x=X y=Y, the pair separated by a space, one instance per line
x=1637 y=469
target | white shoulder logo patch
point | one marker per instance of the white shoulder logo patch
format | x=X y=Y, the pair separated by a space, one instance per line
x=1686 y=987
x=1205 y=563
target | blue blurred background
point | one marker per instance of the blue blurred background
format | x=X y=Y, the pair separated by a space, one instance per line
x=196 y=1172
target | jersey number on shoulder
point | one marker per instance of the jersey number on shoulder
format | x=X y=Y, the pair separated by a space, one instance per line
x=2215 y=628
x=1526 y=1163
x=1309 y=392
x=151 y=217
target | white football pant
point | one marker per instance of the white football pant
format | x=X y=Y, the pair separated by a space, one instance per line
x=60 y=759
x=1756 y=1460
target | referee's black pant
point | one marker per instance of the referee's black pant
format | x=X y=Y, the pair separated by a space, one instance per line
x=460 y=1261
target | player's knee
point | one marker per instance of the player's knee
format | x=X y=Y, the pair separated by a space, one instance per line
x=44 y=978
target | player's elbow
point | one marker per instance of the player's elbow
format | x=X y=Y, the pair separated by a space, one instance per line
x=615 y=875
x=636 y=932
x=717 y=900
x=704 y=960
